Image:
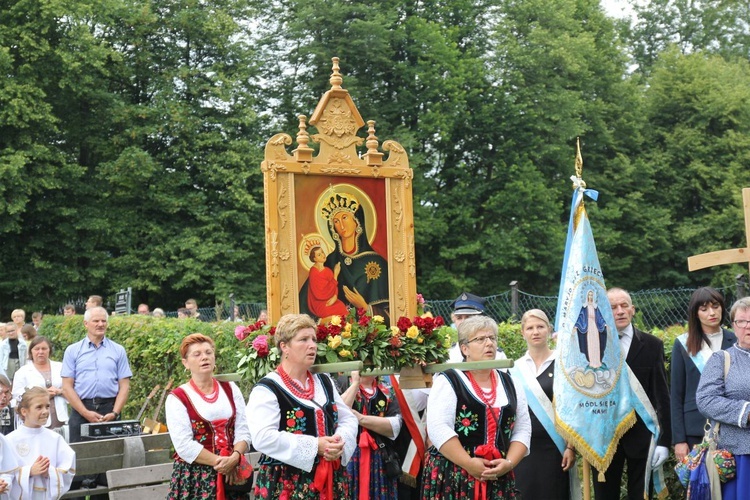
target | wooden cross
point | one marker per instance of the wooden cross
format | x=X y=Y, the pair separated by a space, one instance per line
x=731 y=256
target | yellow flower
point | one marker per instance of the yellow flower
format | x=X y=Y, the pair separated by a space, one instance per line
x=420 y=339
x=395 y=331
x=346 y=333
x=344 y=353
x=412 y=332
x=348 y=328
x=428 y=314
x=378 y=319
x=336 y=320
x=334 y=342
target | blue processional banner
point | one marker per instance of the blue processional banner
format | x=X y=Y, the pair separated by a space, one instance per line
x=593 y=407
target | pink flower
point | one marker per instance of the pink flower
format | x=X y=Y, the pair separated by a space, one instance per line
x=260 y=344
x=241 y=332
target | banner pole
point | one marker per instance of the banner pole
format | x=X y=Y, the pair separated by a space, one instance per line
x=586 y=480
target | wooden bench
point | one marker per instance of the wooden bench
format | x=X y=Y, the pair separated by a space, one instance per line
x=150 y=481
x=102 y=456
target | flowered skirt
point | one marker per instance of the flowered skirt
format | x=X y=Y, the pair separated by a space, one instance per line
x=444 y=480
x=282 y=481
x=381 y=486
x=194 y=482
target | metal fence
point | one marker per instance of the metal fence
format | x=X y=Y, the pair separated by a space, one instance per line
x=657 y=307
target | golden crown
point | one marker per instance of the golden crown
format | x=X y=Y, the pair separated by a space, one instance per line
x=310 y=243
x=337 y=202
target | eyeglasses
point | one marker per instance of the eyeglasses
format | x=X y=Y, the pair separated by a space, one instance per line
x=483 y=339
x=741 y=323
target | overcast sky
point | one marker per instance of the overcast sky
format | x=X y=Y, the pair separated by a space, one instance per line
x=617 y=8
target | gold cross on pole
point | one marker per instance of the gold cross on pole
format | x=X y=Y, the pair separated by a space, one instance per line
x=731 y=256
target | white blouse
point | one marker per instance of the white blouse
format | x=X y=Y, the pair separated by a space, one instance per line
x=181 y=431
x=441 y=411
x=297 y=450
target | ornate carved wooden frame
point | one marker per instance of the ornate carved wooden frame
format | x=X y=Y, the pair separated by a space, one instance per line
x=337 y=121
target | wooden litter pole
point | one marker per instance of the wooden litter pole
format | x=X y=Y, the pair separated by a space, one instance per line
x=586 y=480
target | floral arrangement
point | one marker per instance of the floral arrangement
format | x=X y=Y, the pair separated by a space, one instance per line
x=358 y=336
x=419 y=341
x=261 y=354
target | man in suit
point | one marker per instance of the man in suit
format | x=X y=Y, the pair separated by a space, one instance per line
x=644 y=354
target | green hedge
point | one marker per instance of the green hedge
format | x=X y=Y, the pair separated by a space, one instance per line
x=153 y=347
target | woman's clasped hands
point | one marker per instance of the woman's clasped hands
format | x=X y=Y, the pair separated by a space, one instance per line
x=330 y=447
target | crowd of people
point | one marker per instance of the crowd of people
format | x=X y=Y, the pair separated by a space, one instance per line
x=489 y=433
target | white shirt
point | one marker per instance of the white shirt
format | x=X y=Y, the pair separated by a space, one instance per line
x=441 y=411
x=526 y=358
x=626 y=339
x=297 y=450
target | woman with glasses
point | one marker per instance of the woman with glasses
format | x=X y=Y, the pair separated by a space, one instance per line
x=550 y=457
x=725 y=398
x=690 y=352
x=478 y=424
x=45 y=373
x=299 y=423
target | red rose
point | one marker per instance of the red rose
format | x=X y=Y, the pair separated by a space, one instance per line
x=361 y=312
x=272 y=331
x=403 y=323
x=439 y=321
x=334 y=330
x=322 y=333
x=364 y=320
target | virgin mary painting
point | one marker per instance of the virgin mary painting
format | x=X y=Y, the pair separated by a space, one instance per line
x=363 y=273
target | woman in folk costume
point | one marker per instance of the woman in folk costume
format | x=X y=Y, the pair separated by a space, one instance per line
x=550 y=456
x=206 y=421
x=478 y=423
x=377 y=411
x=299 y=423
x=690 y=352
x=47 y=461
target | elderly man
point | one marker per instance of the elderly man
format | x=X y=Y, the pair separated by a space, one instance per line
x=144 y=309
x=96 y=375
x=644 y=354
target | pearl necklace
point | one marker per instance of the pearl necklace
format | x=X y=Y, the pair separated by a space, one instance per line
x=208 y=398
x=294 y=387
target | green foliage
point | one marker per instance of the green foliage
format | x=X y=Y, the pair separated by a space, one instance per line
x=153 y=347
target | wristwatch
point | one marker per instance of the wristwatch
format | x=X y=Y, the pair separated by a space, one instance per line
x=117 y=415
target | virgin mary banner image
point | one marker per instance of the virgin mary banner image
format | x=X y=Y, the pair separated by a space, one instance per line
x=592 y=394
x=344 y=269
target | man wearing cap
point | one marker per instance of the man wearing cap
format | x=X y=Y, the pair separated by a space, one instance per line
x=466 y=305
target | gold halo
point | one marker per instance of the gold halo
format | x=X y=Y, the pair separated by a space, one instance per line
x=320 y=240
x=371 y=216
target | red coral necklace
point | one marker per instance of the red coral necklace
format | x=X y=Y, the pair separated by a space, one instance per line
x=487 y=396
x=294 y=387
x=208 y=398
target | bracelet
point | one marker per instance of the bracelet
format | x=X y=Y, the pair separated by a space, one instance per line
x=510 y=462
x=238 y=452
x=570 y=448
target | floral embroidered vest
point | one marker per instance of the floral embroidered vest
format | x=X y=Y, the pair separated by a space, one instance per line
x=299 y=418
x=203 y=430
x=377 y=405
x=471 y=414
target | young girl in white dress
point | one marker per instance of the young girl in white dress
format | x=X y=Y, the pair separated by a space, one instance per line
x=47 y=462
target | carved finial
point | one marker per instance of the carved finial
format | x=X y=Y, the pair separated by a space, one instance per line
x=372 y=141
x=373 y=157
x=579 y=158
x=336 y=79
x=303 y=153
x=302 y=136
